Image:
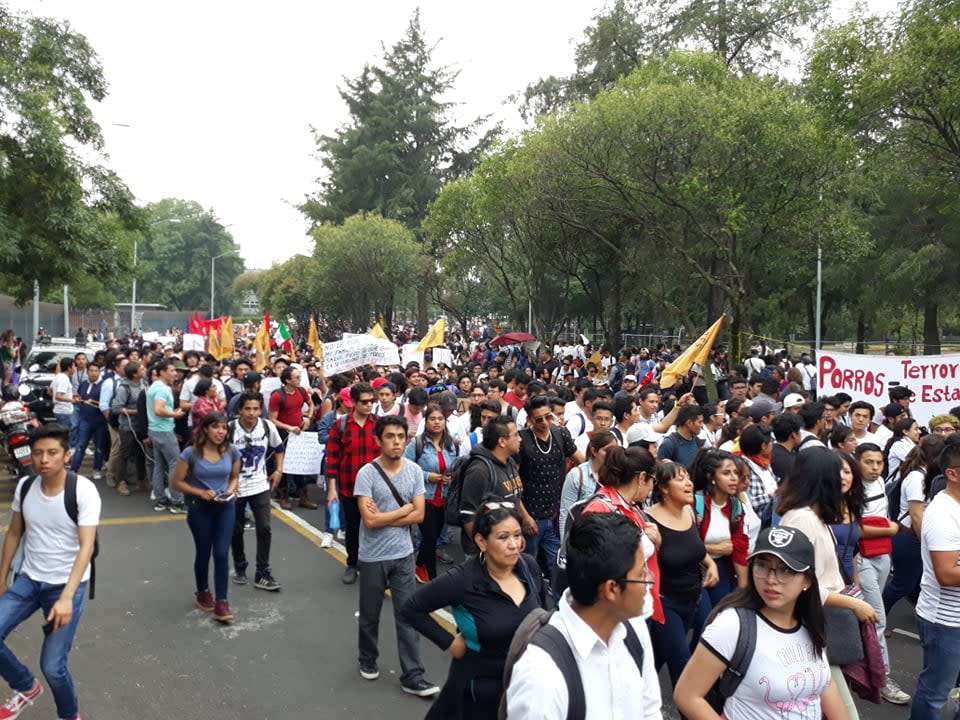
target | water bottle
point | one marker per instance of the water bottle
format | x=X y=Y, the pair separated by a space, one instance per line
x=333 y=515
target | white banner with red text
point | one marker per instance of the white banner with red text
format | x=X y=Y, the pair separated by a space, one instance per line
x=933 y=379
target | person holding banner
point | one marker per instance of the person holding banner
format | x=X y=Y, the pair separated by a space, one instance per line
x=287 y=412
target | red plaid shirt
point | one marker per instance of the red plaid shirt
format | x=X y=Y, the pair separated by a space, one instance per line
x=349 y=450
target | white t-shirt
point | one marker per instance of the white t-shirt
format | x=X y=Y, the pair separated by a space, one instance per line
x=868 y=437
x=941 y=532
x=61 y=384
x=785 y=678
x=898 y=453
x=910 y=489
x=254 y=446
x=751 y=525
x=719 y=529
x=874 y=498
x=50 y=540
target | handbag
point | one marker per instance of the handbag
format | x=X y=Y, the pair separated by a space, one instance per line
x=875 y=546
x=844 y=643
x=393 y=490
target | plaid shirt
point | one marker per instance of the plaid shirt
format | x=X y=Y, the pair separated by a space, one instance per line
x=349 y=447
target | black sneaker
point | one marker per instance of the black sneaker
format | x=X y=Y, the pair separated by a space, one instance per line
x=240 y=577
x=420 y=688
x=349 y=575
x=369 y=671
x=266 y=582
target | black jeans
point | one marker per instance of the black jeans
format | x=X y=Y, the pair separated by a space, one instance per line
x=429 y=533
x=351 y=512
x=260 y=506
x=131 y=457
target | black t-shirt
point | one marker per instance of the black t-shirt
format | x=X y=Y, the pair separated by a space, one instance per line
x=543 y=467
x=782 y=462
x=679 y=556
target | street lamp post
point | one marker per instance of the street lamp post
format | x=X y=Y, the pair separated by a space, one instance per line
x=213 y=277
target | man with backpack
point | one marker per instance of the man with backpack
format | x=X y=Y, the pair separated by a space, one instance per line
x=291 y=409
x=489 y=470
x=351 y=445
x=58 y=537
x=594 y=653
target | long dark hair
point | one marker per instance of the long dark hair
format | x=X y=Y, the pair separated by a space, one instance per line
x=808 y=610
x=814 y=482
x=705 y=465
x=200 y=437
x=622 y=466
x=446 y=439
x=923 y=457
x=854 y=497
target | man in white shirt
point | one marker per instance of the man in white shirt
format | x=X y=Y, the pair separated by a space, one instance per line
x=861 y=415
x=62 y=390
x=58 y=544
x=608 y=578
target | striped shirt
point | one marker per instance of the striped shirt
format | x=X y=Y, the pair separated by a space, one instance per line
x=941 y=532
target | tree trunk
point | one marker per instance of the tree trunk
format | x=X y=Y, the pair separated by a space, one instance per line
x=616 y=313
x=736 y=326
x=861 y=347
x=423 y=324
x=931 y=330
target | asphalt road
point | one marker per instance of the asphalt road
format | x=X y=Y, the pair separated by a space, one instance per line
x=143 y=650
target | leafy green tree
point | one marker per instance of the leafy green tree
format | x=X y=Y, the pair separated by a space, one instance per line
x=399 y=146
x=56 y=206
x=364 y=266
x=747 y=36
x=175 y=253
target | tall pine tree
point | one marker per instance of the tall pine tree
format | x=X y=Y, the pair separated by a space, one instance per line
x=399 y=146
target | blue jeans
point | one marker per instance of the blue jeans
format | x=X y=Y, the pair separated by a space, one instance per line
x=669 y=640
x=74 y=426
x=709 y=597
x=941 y=663
x=87 y=430
x=212 y=526
x=907 y=570
x=66 y=421
x=21 y=600
x=547 y=543
x=166 y=452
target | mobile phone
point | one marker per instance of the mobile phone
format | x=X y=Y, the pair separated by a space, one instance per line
x=48 y=627
x=225 y=497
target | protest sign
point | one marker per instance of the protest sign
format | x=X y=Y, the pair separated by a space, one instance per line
x=409 y=354
x=304 y=454
x=934 y=379
x=192 y=341
x=356 y=351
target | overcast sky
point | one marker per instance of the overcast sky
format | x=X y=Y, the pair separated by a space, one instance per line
x=218 y=97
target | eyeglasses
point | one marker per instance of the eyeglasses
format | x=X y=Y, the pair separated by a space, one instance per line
x=945 y=430
x=366 y=401
x=478 y=395
x=781 y=573
x=631 y=581
x=500 y=505
x=542 y=418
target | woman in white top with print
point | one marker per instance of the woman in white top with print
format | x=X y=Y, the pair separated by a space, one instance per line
x=788 y=676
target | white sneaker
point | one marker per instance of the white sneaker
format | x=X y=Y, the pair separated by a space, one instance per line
x=893 y=694
x=326 y=540
x=97 y=475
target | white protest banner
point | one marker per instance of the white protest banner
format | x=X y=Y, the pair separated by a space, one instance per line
x=934 y=380
x=357 y=351
x=442 y=355
x=267 y=386
x=193 y=342
x=150 y=336
x=409 y=355
x=304 y=454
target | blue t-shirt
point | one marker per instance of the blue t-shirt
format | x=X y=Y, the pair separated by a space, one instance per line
x=159 y=389
x=208 y=475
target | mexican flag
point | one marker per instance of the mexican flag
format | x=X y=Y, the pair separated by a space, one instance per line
x=282 y=338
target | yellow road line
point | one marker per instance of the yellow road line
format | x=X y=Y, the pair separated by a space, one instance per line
x=333 y=552
x=142 y=519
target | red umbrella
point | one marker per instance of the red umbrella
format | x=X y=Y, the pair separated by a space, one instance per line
x=513 y=338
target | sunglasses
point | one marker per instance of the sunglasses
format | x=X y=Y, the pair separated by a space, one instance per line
x=500 y=505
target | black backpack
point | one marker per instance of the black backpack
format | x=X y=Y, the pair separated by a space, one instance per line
x=458 y=471
x=535 y=629
x=73 y=512
x=728 y=682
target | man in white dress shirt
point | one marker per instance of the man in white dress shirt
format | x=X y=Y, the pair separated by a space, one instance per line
x=608 y=579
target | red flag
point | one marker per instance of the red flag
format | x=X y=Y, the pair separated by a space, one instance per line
x=195 y=324
x=647 y=379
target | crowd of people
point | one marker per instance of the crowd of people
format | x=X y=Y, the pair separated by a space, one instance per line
x=641 y=526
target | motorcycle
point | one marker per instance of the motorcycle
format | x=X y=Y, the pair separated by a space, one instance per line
x=17 y=422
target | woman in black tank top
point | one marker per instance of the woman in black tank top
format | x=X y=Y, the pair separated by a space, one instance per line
x=685 y=567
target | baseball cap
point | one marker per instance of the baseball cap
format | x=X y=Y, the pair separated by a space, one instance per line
x=251 y=379
x=759 y=409
x=792 y=400
x=346 y=399
x=631 y=378
x=378 y=382
x=788 y=544
x=893 y=410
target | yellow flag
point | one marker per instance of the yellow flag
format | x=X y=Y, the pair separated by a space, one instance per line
x=698 y=353
x=227 y=339
x=313 y=339
x=213 y=342
x=377 y=331
x=261 y=345
x=434 y=336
